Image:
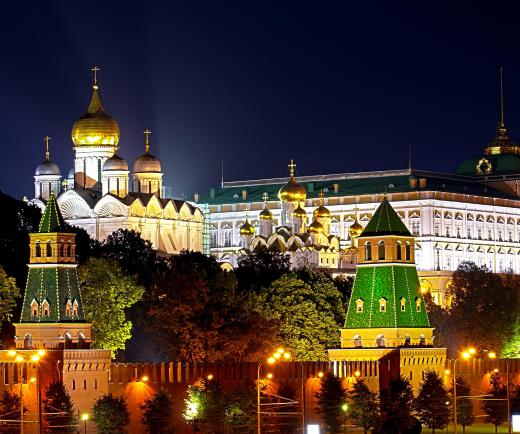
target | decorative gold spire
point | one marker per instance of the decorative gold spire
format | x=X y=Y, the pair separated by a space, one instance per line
x=265 y=214
x=47 y=152
x=321 y=211
x=292 y=191
x=321 y=196
x=292 y=167
x=247 y=228
x=147 y=133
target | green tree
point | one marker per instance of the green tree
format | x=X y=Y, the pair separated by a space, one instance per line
x=307 y=324
x=195 y=313
x=58 y=409
x=10 y=408
x=363 y=409
x=344 y=285
x=397 y=406
x=205 y=407
x=157 y=413
x=475 y=306
x=496 y=408
x=240 y=409
x=106 y=293
x=259 y=270
x=464 y=404
x=110 y=414
x=330 y=402
x=9 y=294
x=430 y=403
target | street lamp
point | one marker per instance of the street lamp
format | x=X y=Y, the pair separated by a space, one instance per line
x=84 y=418
x=33 y=358
x=466 y=355
x=279 y=354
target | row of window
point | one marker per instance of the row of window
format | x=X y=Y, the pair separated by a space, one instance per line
x=381 y=341
x=84 y=384
x=64 y=249
x=71 y=308
x=381 y=251
x=360 y=304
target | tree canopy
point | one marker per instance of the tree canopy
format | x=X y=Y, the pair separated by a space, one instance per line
x=111 y=415
x=431 y=403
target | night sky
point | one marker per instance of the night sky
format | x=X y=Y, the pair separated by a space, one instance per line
x=339 y=86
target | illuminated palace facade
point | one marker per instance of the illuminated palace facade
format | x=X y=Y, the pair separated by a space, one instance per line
x=101 y=195
x=473 y=215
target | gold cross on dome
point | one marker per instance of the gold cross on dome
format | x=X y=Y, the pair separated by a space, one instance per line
x=95 y=70
x=147 y=133
x=265 y=196
x=321 y=195
x=47 y=152
x=292 y=166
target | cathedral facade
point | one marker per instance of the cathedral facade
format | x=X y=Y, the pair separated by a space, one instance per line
x=101 y=195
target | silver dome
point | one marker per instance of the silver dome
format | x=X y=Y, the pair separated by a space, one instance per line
x=47 y=168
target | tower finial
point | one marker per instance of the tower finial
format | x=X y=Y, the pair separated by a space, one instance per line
x=292 y=167
x=147 y=133
x=95 y=70
x=265 y=196
x=47 y=152
x=501 y=98
x=321 y=195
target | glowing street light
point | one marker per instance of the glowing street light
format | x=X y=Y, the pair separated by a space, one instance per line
x=270 y=375
x=472 y=351
x=210 y=377
x=84 y=418
x=492 y=355
x=344 y=407
x=320 y=374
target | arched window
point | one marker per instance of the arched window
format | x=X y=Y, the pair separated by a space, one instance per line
x=68 y=308
x=408 y=251
x=49 y=248
x=359 y=305
x=399 y=254
x=60 y=249
x=38 y=249
x=380 y=341
x=75 y=308
x=422 y=340
x=368 y=251
x=68 y=340
x=27 y=342
x=418 y=304
x=381 y=250
x=34 y=307
x=382 y=305
x=357 y=341
x=46 y=309
x=69 y=250
x=403 y=304
x=407 y=341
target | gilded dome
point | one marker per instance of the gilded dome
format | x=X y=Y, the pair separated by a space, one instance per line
x=247 y=229
x=292 y=192
x=299 y=212
x=47 y=167
x=147 y=163
x=315 y=227
x=115 y=162
x=321 y=212
x=265 y=214
x=95 y=127
x=355 y=229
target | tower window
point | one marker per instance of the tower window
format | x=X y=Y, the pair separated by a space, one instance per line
x=358 y=343
x=381 y=250
x=399 y=254
x=403 y=304
x=49 y=248
x=69 y=249
x=359 y=305
x=38 y=249
x=418 y=305
x=46 y=308
x=368 y=251
x=382 y=305
x=60 y=248
x=408 y=251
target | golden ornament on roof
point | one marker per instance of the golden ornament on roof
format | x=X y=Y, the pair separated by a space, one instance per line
x=321 y=211
x=265 y=214
x=315 y=228
x=356 y=229
x=292 y=191
x=299 y=212
x=95 y=127
x=247 y=229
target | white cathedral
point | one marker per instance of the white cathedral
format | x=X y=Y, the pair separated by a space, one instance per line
x=100 y=194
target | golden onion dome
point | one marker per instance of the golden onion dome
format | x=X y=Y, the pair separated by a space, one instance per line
x=315 y=227
x=115 y=163
x=147 y=163
x=292 y=192
x=265 y=214
x=356 y=229
x=299 y=212
x=321 y=212
x=247 y=229
x=95 y=127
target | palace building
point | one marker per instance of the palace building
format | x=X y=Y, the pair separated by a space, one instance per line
x=101 y=195
x=472 y=215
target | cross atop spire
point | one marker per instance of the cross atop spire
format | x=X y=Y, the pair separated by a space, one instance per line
x=321 y=195
x=265 y=196
x=147 y=133
x=95 y=70
x=292 y=167
x=47 y=152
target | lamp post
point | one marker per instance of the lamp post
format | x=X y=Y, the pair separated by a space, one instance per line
x=32 y=358
x=279 y=354
x=492 y=355
x=84 y=418
x=466 y=355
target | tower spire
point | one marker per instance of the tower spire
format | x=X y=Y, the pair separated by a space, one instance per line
x=147 y=133
x=501 y=97
x=95 y=70
x=47 y=152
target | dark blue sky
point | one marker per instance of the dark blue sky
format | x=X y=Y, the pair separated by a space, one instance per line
x=339 y=86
